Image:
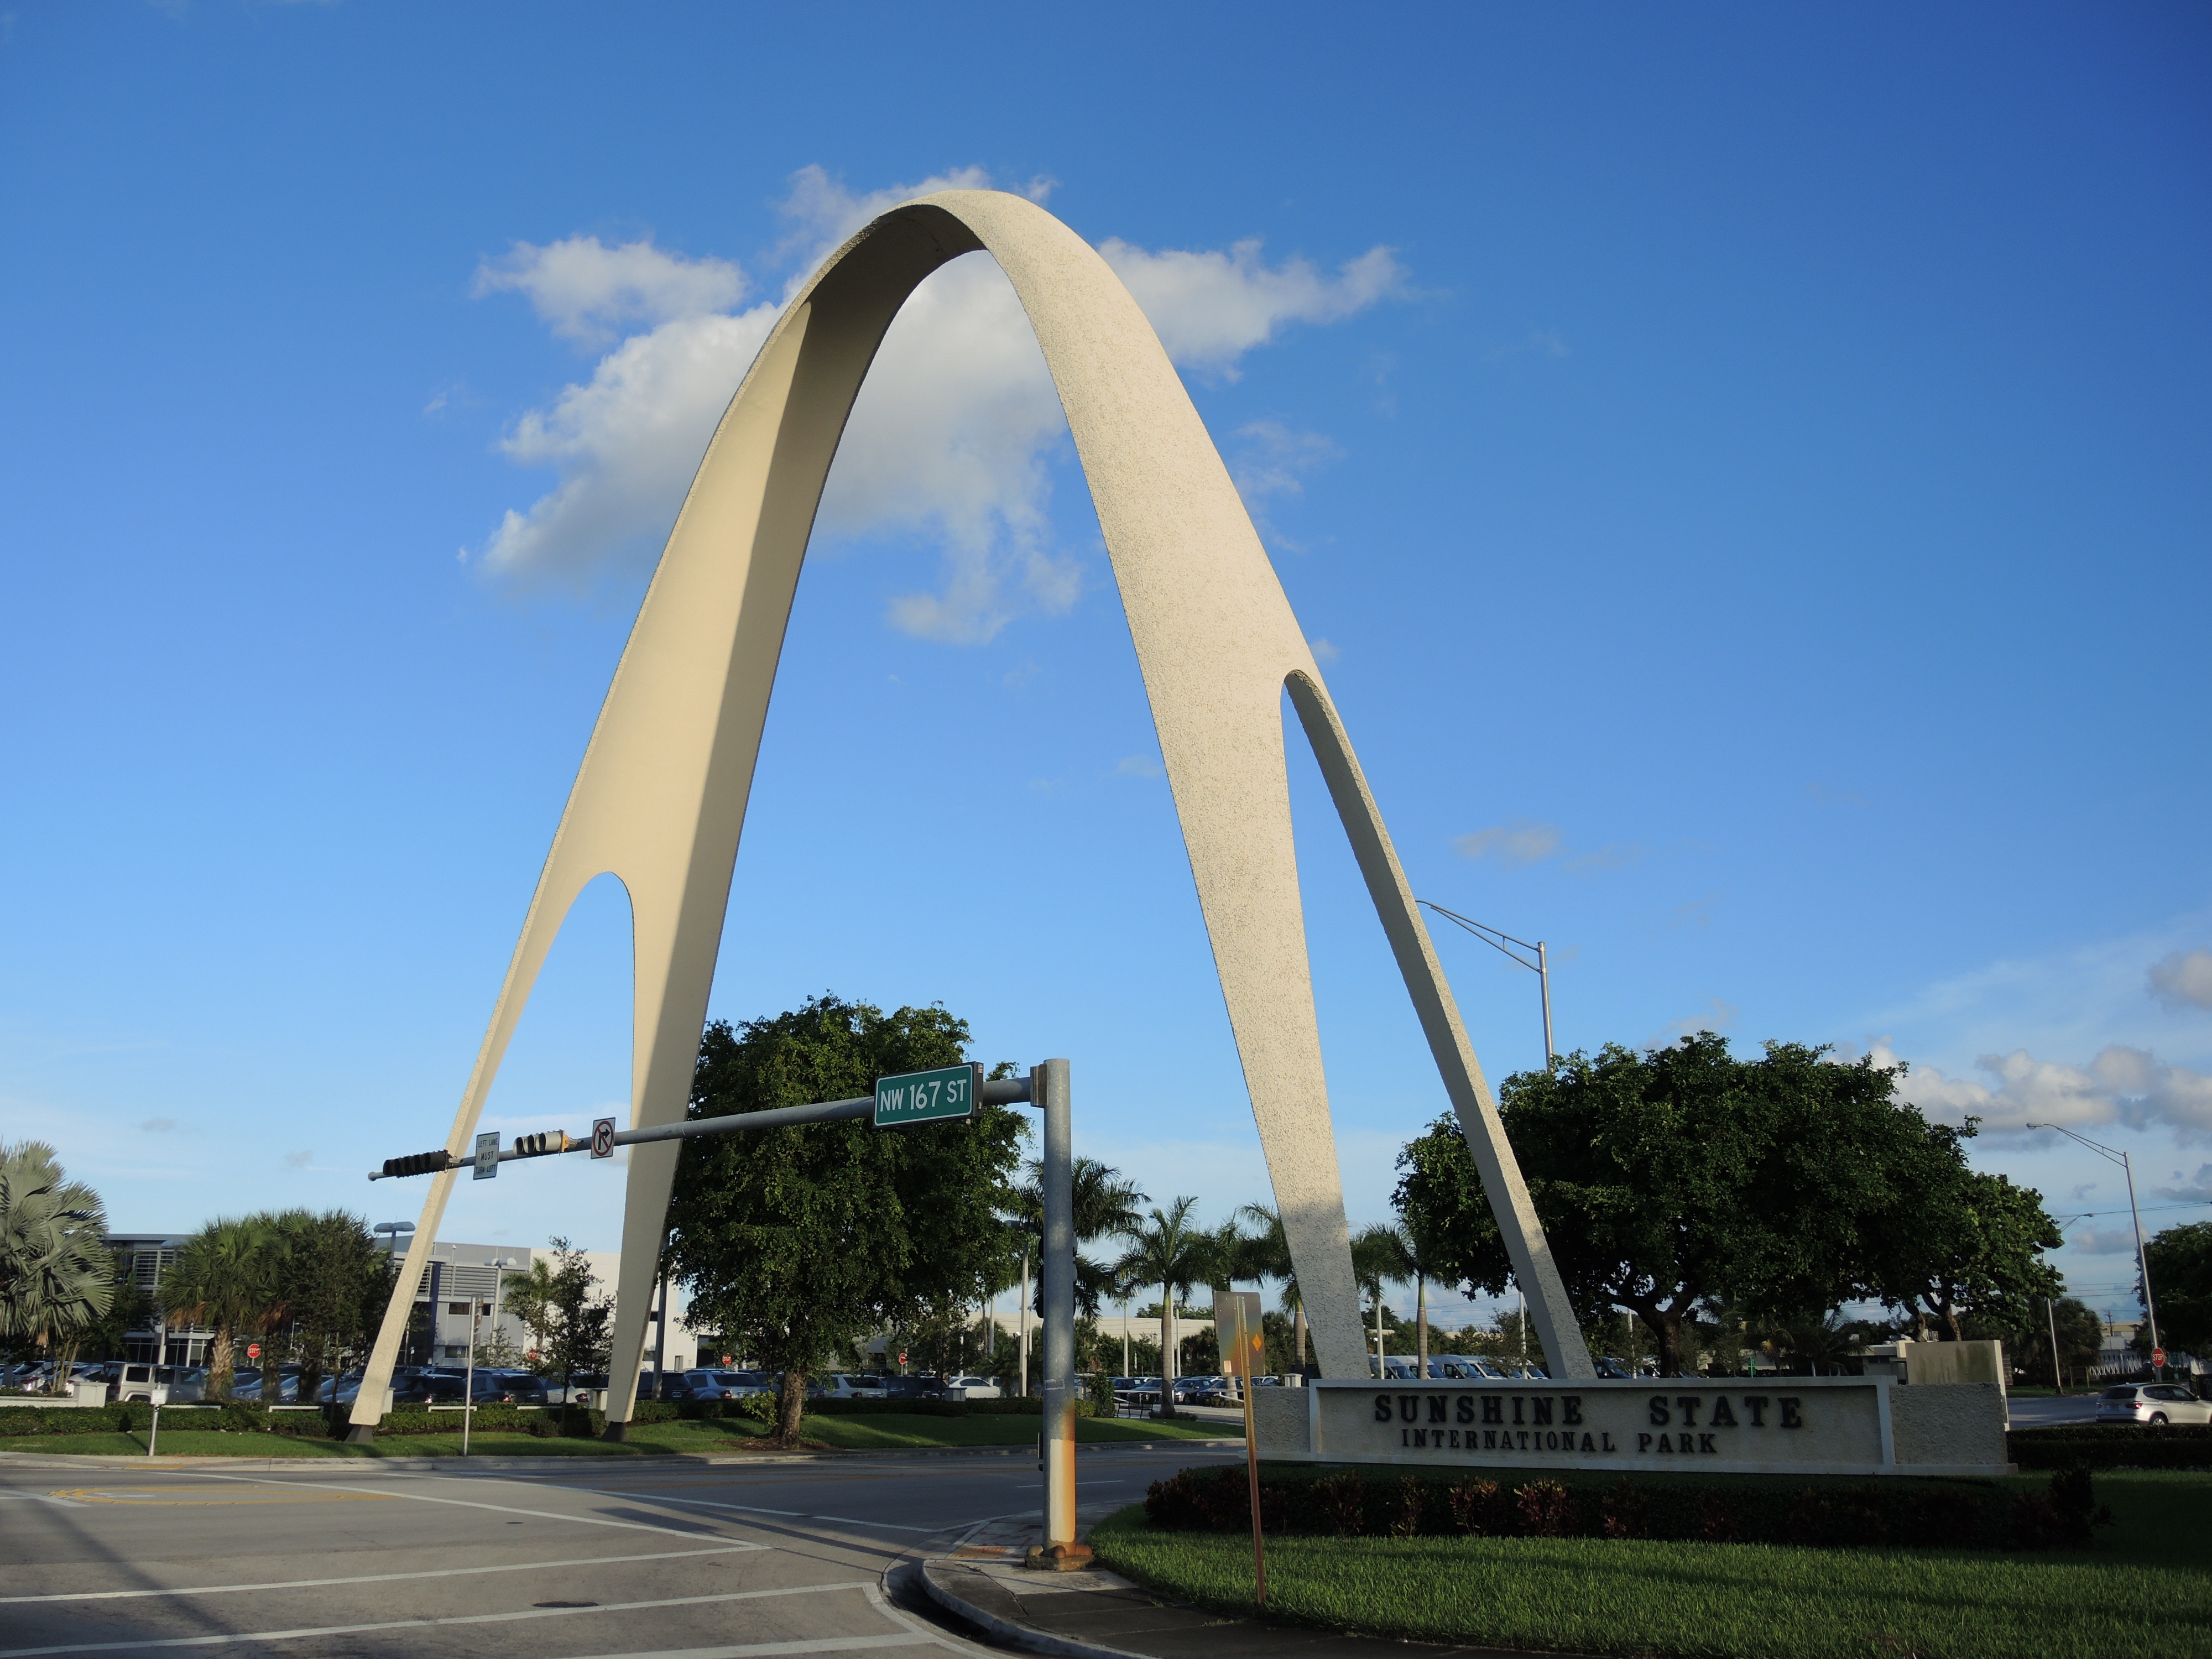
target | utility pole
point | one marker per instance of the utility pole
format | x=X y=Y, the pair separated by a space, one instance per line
x=2142 y=1262
x=921 y=1097
x=1502 y=942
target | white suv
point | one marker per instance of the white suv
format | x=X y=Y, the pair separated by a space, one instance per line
x=2153 y=1404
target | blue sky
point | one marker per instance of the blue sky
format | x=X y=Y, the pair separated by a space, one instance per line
x=1746 y=469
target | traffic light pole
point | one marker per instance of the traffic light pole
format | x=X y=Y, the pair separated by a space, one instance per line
x=1047 y=1089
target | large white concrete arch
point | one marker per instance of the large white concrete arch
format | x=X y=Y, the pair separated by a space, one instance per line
x=661 y=799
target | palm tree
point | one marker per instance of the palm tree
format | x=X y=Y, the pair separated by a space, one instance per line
x=1381 y=1254
x=1266 y=1255
x=1422 y=1257
x=56 y=1277
x=1104 y=1205
x=1172 y=1251
x=224 y=1277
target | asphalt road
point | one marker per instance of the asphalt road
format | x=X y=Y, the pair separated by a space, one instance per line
x=642 y=1559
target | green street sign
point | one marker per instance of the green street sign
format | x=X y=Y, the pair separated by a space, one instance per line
x=926 y=1097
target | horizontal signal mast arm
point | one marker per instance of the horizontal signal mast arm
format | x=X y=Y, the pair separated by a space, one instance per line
x=1000 y=1091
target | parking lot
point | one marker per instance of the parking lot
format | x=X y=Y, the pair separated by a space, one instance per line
x=670 y=1560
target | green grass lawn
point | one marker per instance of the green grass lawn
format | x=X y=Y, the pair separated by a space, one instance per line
x=180 y=1443
x=2144 y=1588
x=889 y=1431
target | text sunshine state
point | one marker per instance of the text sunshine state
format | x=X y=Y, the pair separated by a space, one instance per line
x=1474 y=1422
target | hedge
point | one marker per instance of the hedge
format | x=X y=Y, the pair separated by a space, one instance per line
x=1830 y=1512
x=331 y=1422
x=2110 y=1446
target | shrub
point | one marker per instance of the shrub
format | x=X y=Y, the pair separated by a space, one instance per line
x=1715 y=1519
x=1339 y=1505
x=2110 y=1446
x=1403 y=1503
x=1476 y=1508
x=1545 y=1508
x=1626 y=1512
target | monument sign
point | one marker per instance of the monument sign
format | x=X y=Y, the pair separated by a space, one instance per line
x=1734 y=1425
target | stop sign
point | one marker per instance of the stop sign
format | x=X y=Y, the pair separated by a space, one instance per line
x=253 y=1351
x=2158 y=1358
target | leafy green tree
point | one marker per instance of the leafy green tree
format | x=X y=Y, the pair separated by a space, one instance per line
x=224 y=1278
x=56 y=1275
x=576 y=1319
x=815 y=1235
x=2081 y=1336
x=1957 y=1243
x=530 y=1299
x=334 y=1283
x=2181 y=1282
x=1670 y=1181
x=1169 y=1249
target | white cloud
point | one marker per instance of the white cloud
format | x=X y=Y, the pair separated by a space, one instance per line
x=298 y=1160
x=2197 y=1189
x=1211 y=308
x=2123 y=1085
x=2182 y=977
x=953 y=434
x=1522 y=842
x=583 y=288
x=1324 y=651
x=2104 y=1241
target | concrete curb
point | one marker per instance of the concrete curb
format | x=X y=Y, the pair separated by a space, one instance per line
x=944 y=1591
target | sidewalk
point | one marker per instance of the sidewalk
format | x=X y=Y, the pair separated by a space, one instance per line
x=1102 y=1615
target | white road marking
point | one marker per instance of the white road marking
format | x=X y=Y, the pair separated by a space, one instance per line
x=39 y=1497
x=457 y=1502
x=750 y=1651
x=381 y=1578
x=142 y=1644
x=755 y=1509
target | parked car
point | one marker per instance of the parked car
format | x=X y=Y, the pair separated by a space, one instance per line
x=247 y=1386
x=1609 y=1367
x=2153 y=1405
x=425 y=1388
x=843 y=1385
x=972 y=1388
x=718 y=1385
x=525 y=1388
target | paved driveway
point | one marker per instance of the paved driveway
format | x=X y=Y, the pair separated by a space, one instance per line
x=673 y=1560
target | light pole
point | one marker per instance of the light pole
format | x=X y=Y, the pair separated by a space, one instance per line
x=1501 y=942
x=391 y=1230
x=2051 y=1318
x=2142 y=1262
x=468 y=1374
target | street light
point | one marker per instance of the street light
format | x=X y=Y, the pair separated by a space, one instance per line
x=2050 y=1317
x=2142 y=1262
x=1541 y=967
x=468 y=1374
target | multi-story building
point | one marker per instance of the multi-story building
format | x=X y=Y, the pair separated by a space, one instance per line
x=459 y=1276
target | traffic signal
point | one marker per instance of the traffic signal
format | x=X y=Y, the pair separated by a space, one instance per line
x=416 y=1163
x=541 y=1144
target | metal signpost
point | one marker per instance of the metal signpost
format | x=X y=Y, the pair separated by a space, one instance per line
x=1237 y=1319
x=949 y=1092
